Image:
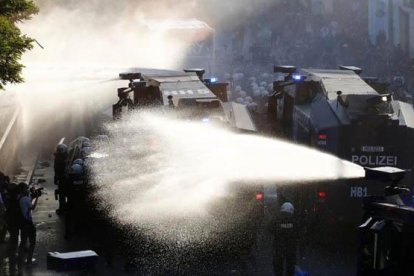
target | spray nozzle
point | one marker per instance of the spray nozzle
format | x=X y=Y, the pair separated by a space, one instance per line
x=385 y=174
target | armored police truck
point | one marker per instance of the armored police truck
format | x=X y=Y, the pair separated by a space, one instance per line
x=187 y=95
x=185 y=91
x=339 y=112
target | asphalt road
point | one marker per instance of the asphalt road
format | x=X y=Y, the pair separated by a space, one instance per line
x=50 y=238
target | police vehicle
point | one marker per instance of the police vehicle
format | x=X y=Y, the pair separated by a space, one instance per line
x=339 y=112
x=187 y=95
x=187 y=92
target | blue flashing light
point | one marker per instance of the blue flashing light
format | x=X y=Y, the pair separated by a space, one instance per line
x=297 y=77
x=205 y=120
x=213 y=80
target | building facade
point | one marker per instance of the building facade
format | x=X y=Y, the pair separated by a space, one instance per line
x=392 y=21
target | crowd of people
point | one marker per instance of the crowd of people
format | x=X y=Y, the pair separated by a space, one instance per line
x=17 y=201
x=292 y=33
x=70 y=168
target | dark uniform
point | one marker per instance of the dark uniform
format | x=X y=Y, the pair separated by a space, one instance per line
x=76 y=193
x=4 y=196
x=284 y=229
x=60 y=179
x=14 y=219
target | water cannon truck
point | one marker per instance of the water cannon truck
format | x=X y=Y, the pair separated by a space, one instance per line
x=354 y=118
x=340 y=112
x=187 y=92
x=188 y=95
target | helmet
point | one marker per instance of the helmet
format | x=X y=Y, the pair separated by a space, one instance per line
x=256 y=92
x=240 y=100
x=102 y=138
x=78 y=161
x=61 y=148
x=76 y=169
x=86 y=151
x=83 y=139
x=287 y=207
x=86 y=144
x=252 y=106
x=78 y=142
x=265 y=93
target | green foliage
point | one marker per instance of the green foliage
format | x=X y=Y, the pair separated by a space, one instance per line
x=12 y=43
x=17 y=10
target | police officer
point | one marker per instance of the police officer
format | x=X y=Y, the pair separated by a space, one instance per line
x=76 y=200
x=61 y=156
x=284 y=230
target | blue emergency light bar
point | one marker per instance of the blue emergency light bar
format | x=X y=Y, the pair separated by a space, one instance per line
x=210 y=80
x=298 y=78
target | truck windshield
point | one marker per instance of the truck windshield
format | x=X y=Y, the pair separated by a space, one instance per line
x=379 y=105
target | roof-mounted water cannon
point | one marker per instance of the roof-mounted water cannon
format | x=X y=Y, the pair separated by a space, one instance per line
x=289 y=76
x=124 y=92
x=284 y=69
x=385 y=174
x=287 y=70
x=218 y=87
x=131 y=76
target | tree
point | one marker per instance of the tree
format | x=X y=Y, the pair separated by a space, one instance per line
x=12 y=43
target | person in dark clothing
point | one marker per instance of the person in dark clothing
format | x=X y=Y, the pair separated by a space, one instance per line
x=14 y=219
x=76 y=193
x=284 y=229
x=61 y=156
x=170 y=101
x=28 y=228
x=4 y=182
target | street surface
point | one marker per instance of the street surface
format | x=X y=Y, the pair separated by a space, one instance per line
x=50 y=238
